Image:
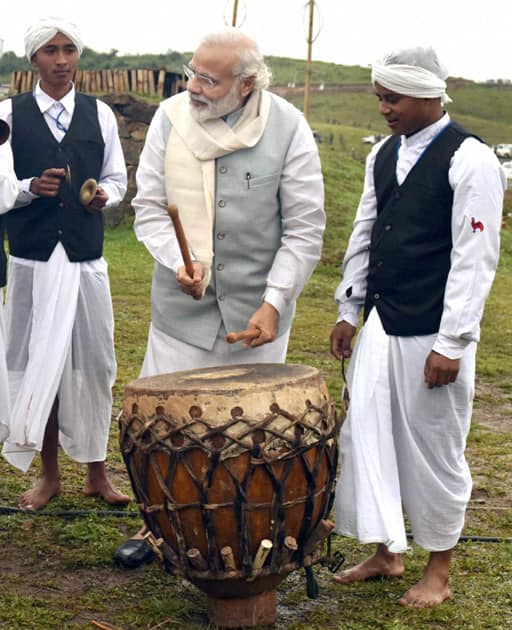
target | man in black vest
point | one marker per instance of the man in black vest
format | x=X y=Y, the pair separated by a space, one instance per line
x=420 y=261
x=60 y=352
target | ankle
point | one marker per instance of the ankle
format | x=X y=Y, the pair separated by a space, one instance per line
x=383 y=553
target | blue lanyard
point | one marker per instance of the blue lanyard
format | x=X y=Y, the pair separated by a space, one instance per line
x=58 y=123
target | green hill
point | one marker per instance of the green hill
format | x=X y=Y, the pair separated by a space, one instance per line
x=485 y=110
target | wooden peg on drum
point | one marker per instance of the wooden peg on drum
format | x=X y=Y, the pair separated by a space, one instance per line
x=196 y=559
x=228 y=559
x=250 y=333
x=172 y=211
x=261 y=555
x=290 y=547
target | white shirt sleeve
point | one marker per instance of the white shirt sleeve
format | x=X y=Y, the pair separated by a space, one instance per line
x=8 y=181
x=301 y=194
x=152 y=224
x=113 y=178
x=23 y=197
x=350 y=293
x=478 y=184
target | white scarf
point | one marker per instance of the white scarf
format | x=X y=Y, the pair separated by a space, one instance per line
x=190 y=158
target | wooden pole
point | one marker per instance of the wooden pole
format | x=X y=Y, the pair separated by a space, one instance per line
x=307 y=86
x=235 y=11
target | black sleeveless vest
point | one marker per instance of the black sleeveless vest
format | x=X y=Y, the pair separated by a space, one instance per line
x=411 y=239
x=34 y=230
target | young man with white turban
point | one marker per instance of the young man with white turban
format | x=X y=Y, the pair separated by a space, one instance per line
x=420 y=261
x=243 y=168
x=60 y=351
x=8 y=193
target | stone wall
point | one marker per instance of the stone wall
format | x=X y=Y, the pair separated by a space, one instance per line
x=133 y=117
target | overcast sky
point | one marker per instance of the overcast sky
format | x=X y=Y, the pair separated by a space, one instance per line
x=472 y=38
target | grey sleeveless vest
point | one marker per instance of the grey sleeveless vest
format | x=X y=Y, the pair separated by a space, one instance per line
x=247 y=235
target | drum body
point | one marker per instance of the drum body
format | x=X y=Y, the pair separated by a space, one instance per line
x=234 y=470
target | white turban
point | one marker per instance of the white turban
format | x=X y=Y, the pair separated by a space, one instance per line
x=45 y=29
x=414 y=72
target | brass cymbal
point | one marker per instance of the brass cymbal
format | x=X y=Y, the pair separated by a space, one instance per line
x=87 y=191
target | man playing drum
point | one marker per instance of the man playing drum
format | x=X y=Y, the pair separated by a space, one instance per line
x=8 y=193
x=421 y=260
x=60 y=350
x=242 y=167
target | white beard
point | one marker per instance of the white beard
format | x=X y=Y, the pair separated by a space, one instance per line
x=215 y=109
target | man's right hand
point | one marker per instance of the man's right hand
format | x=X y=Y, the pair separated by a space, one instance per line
x=191 y=286
x=341 y=340
x=47 y=185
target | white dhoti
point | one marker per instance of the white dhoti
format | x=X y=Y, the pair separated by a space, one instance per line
x=60 y=345
x=165 y=354
x=5 y=405
x=403 y=444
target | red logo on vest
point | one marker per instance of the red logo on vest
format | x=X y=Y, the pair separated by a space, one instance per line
x=477 y=225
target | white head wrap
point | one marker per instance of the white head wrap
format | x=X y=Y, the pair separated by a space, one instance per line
x=45 y=29
x=414 y=72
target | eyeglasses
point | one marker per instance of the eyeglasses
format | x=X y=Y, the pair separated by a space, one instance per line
x=205 y=80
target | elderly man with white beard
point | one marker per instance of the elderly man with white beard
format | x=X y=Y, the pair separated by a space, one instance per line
x=243 y=169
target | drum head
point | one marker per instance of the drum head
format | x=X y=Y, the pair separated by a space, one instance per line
x=233 y=378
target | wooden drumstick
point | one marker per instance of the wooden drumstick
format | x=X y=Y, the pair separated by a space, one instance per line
x=172 y=211
x=250 y=333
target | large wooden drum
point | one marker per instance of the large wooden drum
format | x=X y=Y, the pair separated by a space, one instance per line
x=234 y=470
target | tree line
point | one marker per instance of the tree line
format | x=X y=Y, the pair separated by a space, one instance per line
x=92 y=60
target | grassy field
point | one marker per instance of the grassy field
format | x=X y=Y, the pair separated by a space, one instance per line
x=56 y=570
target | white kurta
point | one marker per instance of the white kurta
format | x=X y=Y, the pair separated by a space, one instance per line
x=5 y=404
x=60 y=326
x=303 y=224
x=60 y=331
x=8 y=192
x=403 y=444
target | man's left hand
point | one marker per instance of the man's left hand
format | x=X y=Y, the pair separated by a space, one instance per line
x=265 y=319
x=440 y=370
x=99 y=200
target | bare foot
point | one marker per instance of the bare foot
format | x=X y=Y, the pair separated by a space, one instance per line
x=429 y=591
x=40 y=494
x=433 y=587
x=104 y=489
x=381 y=564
